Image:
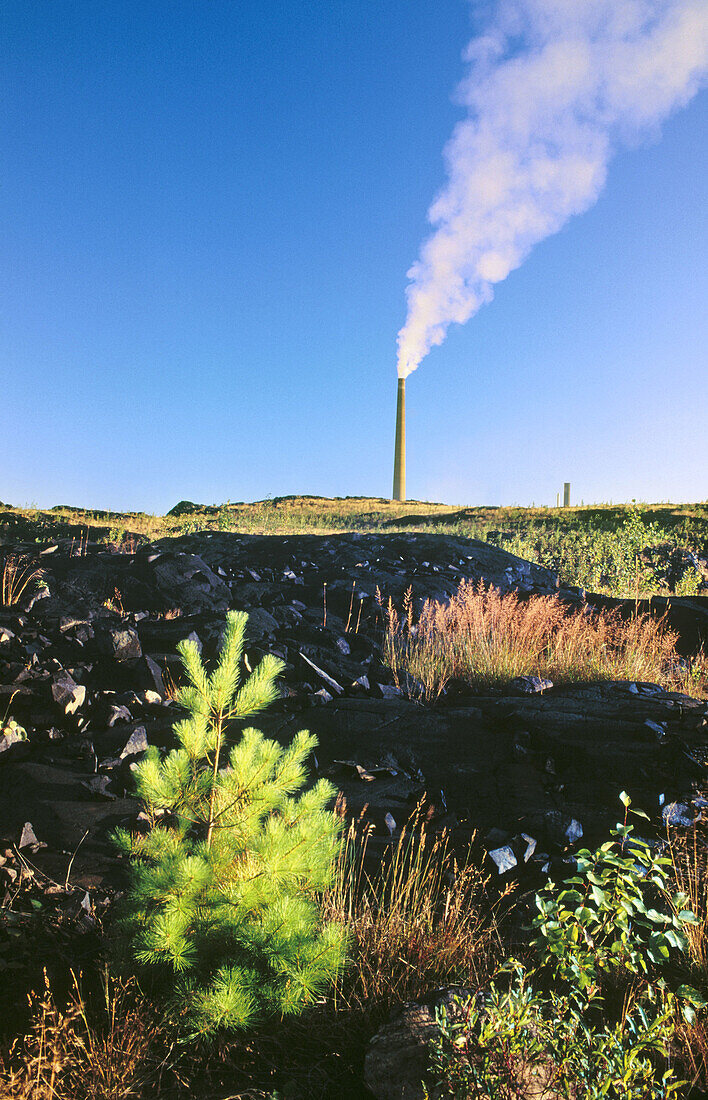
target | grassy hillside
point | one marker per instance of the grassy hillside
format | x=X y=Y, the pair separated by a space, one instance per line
x=617 y=549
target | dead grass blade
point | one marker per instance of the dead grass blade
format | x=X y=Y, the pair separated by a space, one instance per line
x=689 y=857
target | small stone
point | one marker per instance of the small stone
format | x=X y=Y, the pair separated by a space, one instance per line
x=329 y=680
x=153 y=670
x=42 y=594
x=67 y=693
x=504 y=858
x=390 y=691
x=27 y=836
x=561 y=829
x=118 y=714
x=125 y=643
x=678 y=814
x=150 y=698
x=530 y=846
x=98 y=785
x=343 y=646
x=361 y=684
x=390 y=823
x=530 y=685
x=136 y=743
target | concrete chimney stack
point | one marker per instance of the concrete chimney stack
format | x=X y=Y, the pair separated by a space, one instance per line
x=399 y=458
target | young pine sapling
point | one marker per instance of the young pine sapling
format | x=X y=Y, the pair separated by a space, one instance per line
x=222 y=908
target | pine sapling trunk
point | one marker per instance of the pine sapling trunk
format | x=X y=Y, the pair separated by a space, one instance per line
x=219 y=726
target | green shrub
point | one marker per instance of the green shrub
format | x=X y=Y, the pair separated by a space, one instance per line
x=526 y=1045
x=603 y=918
x=222 y=907
x=552 y=1030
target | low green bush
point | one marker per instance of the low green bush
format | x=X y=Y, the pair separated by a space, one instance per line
x=596 y=1015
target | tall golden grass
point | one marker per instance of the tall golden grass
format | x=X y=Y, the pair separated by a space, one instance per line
x=488 y=638
x=421 y=920
x=96 y=1048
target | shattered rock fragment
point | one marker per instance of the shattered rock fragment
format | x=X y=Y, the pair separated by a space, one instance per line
x=329 y=680
x=561 y=829
x=136 y=743
x=27 y=836
x=530 y=685
x=504 y=858
x=67 y=693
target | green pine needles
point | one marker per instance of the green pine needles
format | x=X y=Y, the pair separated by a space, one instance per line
x=222 y=907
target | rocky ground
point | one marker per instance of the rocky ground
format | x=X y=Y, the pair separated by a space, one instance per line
x=88 y=666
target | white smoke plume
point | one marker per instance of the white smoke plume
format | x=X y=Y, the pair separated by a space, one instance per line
x=554 y=88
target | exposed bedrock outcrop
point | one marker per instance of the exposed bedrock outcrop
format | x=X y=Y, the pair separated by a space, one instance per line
x=88 y=665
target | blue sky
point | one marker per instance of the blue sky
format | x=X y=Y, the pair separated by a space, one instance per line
x=207 y=212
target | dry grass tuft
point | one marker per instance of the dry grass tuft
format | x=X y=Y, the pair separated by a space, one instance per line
x=17 y=574
x=84 y=1050
x=421 y=920
x=488 y=638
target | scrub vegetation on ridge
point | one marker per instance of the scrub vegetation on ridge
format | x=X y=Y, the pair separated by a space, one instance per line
x=627 y=550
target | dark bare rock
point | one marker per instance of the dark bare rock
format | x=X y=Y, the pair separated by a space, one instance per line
x=89 y=671
x=152 y=581
x=398 y=1055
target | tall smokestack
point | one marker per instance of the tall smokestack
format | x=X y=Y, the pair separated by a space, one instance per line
x=399 y=458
